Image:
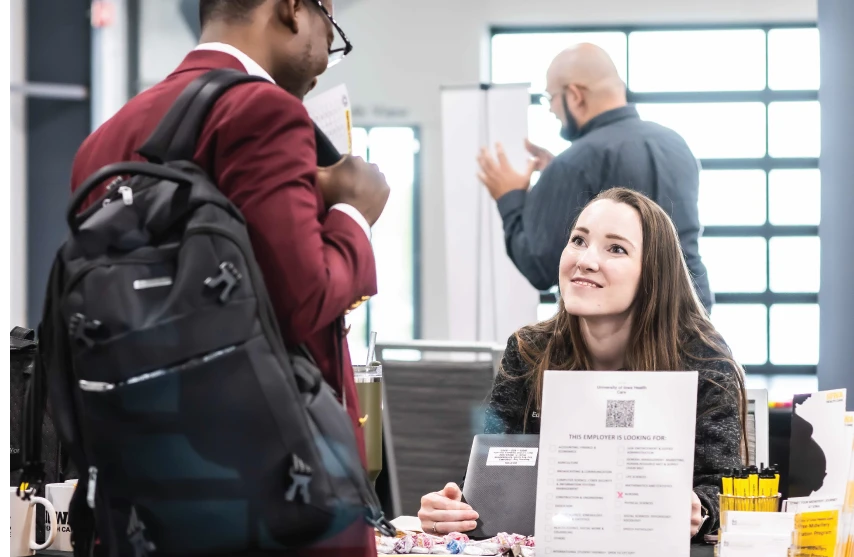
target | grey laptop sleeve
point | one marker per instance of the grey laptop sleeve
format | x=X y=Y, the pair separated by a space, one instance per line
x=504 y=496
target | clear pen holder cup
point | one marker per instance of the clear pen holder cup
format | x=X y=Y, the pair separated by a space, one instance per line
x=369 y=387
x=760 y=503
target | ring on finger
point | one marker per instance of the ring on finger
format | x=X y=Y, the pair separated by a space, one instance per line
x=435 y=531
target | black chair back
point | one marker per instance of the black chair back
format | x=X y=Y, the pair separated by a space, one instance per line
x=435 y=408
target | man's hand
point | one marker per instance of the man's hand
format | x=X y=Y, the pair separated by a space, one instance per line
x=355 y=182
x=544 y=156
x=697 y=517
x=499 y=176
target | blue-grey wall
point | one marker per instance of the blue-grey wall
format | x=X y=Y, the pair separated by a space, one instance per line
x=58 y=51
x=836 y=356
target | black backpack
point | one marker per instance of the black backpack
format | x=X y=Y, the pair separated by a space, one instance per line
x=21 y=360
x=169 y=381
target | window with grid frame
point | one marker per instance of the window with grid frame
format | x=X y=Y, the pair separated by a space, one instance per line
x=745 y=98
x=394 y=312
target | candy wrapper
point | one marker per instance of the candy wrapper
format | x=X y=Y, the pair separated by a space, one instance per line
x=423 y=541
x=455 y=547
x=489 y=547
x=456 y=543
x=518 y=551
x=385 y=546
x=506 y=541
x=404 y=545
x=460 y=537
x=422 y=544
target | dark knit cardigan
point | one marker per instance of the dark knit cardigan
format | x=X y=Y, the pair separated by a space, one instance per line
x=718 y=433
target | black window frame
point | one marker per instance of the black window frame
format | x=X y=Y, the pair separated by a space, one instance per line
x=767 y=163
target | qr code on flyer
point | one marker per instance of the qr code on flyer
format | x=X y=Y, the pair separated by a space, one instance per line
x=621 y=413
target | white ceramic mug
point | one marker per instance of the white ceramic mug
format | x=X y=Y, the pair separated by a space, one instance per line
x=60 y=496
x=22 y=519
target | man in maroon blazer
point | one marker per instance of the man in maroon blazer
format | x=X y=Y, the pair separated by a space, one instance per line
x=310 y=228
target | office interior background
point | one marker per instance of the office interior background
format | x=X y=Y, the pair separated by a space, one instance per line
x=760 y=89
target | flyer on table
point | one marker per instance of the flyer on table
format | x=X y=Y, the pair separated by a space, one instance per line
x=616 y=463
x=819 y=468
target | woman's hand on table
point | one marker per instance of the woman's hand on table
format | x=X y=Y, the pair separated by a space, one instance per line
x=697 y=517
x=443 y=512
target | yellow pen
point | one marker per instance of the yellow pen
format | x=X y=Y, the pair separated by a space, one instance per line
x=766 y=478
x=726 y=490
x=726 y=482
x=745 y=490
x=739 y=488
x=753 y=481
x=766 y=485
x=775 y=487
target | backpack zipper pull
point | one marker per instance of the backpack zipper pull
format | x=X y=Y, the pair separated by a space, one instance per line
x=111 y=187
x=127 y=195
x=90 y=491
x=79 y=328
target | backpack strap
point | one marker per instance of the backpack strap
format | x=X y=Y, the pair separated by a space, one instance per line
x=22 y=341
x=175 y=137
x=35 y=398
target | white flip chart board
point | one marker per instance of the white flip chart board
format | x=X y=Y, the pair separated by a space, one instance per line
x=488 y=298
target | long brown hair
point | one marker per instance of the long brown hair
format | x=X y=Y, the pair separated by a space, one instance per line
x=669 y=324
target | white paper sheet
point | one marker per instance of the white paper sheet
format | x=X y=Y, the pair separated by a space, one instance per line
x=758 y=523
x=331 y=112
x=758 y=431
x=407 y=523
x=616 y=463
x=818 y=469
x=742 y=544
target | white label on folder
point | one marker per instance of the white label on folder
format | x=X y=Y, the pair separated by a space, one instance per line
x=809 y=504
x=511 y=456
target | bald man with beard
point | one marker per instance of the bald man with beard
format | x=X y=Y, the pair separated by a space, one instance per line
x=611 y=146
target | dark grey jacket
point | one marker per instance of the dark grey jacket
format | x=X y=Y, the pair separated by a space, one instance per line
x=616 y=148
x=718 y=430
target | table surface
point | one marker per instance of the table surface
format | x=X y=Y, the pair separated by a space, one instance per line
x=696 y=551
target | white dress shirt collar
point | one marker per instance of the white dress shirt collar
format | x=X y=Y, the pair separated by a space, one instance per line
x=251 y=66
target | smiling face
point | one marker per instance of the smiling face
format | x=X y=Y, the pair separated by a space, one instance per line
x=600 y=268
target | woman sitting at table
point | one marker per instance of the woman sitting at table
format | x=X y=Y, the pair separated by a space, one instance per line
x=627 y=302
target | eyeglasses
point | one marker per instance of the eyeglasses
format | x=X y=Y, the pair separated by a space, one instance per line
x=546 y=98
x=336 y=54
